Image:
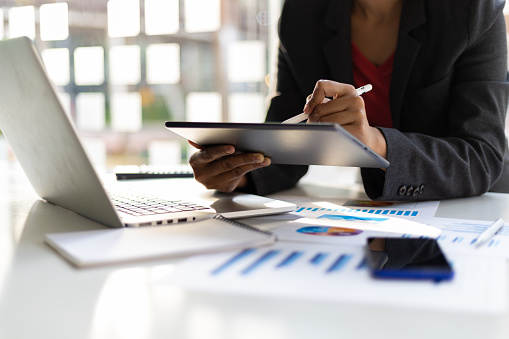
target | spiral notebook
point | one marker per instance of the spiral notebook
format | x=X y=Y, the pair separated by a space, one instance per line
x=113 y=246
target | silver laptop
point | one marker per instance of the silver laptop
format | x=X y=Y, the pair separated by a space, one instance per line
x=48 y=148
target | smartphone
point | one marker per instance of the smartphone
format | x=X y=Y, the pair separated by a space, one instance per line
x=407 y=258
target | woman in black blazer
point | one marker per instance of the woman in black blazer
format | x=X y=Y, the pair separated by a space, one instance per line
x=447 y=97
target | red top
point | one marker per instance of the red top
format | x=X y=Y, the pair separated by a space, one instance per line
x=378 y=109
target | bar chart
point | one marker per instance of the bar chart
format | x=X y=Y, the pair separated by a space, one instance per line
x=321 y=272
x=250 y=261
x=459 y=236
x=386 y=212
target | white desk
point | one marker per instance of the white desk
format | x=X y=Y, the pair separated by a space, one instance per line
x=42 y=296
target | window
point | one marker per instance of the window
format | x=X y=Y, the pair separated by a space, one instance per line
x=22 y=22
x=54 y=21
x=123 y=67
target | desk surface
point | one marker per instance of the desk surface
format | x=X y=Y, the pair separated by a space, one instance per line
x=42 y=296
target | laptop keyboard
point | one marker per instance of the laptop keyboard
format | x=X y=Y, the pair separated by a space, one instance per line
x=140 y=204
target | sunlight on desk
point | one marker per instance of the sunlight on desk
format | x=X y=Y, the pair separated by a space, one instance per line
x=122 y=306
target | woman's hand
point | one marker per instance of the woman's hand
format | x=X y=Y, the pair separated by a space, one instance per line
x=219 y=168
x=334 y=102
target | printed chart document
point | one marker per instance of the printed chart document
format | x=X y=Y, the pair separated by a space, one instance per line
x=407 y=210
x=345 y=226
x=395 y=208
x=458 y=235
x=339 y=274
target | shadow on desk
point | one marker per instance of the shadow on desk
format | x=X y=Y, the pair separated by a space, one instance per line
x=323 y=191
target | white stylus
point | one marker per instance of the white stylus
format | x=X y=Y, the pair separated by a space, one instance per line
x=489 y=232
x=303 y=116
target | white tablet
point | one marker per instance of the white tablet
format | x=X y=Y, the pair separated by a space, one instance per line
x=297 y=144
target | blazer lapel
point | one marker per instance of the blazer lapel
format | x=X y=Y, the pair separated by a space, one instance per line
x=413 y=15
x=338 y=48
x=339 y=56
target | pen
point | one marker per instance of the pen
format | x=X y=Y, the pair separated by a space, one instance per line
x=303 y=116
x=488 y=233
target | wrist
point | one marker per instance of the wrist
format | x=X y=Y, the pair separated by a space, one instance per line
x=379 y=143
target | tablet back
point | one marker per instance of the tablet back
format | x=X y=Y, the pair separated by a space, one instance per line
x=297 y=144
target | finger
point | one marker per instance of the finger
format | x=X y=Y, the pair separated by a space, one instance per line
x=231 y=163
x=224 y=180
x=348 y=117
x=337 y=106
x=309 y=98
x=195 y=145
x=327 y=88
x=210 y=154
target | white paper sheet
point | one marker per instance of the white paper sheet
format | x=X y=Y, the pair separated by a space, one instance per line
x=407 y=210
x=395 y=208
x=457 y=236
x=357 y=221
x=339 y=274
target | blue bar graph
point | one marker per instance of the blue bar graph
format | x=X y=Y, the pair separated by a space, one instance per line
x=262 y=260
x=318 y=258
x=339 y=263
x=363 y=264
x=233 y=260
x=290 y=259
x=365 y=210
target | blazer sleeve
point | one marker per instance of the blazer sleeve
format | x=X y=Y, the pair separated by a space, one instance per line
x=468 y=159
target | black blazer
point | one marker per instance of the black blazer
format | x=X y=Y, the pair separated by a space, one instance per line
x=448 y=94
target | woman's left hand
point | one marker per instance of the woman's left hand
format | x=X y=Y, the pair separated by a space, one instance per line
x=345 y=108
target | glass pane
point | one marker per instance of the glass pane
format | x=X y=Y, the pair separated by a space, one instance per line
x=96 y=150
x=161 y=17
x=125 y=65
x=90 y=112
x=246 y=61
x=163 y=64
x=164 y=152
x=2 y=24
x=202 y=15
x=54 y=21
x=123 y=18
x=56 y=61
x=126 y=112
x=88 y=66
x=246 y=107
x=204 y=107
x=22 y=22
x=65 y=100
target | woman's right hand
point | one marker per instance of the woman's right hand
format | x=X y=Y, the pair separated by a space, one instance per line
x=220 y=168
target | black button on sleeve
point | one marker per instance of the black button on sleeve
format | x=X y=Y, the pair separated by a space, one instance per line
x=410 y=190
x=402 y=190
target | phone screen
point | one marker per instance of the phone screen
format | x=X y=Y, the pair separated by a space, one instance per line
x=407 y=258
